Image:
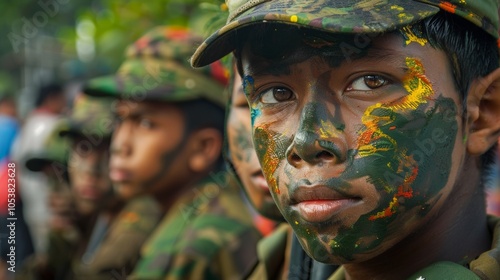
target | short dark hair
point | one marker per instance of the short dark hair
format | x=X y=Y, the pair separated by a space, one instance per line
x=472 y=53
x=201 y=113
x=48 y=91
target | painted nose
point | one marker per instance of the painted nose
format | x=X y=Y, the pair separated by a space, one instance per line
x=307 y=148
x=314 y=142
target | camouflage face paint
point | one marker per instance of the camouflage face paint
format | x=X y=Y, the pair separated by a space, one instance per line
x=404 y=151
x=244 y=142
x=167 y=159
x=271 y=148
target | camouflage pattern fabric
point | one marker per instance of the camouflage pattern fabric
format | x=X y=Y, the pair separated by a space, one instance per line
x=486 y=266
x=273 y=251
x=362 y=16
x=90 y=118
x=119 y=251
x=206 y=234
x=157 y=68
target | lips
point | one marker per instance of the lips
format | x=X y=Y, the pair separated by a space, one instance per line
x=259 y=181
x=318 y=204
x=119 y=175
x=88 y=192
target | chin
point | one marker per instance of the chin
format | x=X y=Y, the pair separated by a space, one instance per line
x=86 y=208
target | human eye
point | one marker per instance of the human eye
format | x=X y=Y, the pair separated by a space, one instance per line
x=117 y=120
x=276 y=95
x=368 y=83
x=145 y=123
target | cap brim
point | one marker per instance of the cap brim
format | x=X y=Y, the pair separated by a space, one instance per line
x=330 y=16
x=101 y=87
x=153 y=79
x=37 y=164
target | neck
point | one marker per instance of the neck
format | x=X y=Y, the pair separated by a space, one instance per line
x=168 y=199
x=457 y=233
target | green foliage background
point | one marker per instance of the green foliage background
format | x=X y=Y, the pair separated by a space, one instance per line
x=48 y=51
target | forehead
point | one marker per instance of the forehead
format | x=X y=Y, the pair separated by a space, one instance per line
x=142 y=107
x=285 y=45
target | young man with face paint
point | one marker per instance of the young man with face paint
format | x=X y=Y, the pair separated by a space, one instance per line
x=167 y=143
x=373 y=122
x=243 y=162
x=275 y=250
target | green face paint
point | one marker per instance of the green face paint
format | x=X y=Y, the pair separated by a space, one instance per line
x=404 y=150
x=244 y=141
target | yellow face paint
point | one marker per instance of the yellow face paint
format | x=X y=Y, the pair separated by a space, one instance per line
x=419 y=91
x=412 y=37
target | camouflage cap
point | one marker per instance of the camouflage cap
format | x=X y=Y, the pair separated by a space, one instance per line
x=55 y=150
x=157 y=68
x=90 y=118
x=342 y=16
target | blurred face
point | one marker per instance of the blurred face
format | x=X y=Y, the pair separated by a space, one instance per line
x=243 y=154
x=359 y=151
x=88 y=172
x=147 y=149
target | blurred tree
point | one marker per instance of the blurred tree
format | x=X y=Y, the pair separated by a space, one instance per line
x=69 y=40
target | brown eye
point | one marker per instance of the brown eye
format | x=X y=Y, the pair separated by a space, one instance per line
x=276 y=95
x=374 y=81
x=368 y=82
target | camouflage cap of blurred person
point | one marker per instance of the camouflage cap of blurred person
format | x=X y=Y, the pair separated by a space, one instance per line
x=157 y=68
x=334 y=16
x=91 y=118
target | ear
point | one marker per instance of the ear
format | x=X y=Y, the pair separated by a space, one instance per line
x=483 y=112
x=206 y=149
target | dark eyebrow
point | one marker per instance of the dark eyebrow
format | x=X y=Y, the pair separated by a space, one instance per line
x=378 y=54
x=262 y=67
x=135 y=113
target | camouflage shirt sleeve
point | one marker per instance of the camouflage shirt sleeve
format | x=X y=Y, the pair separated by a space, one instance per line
x=119 y=251
x=207 y=234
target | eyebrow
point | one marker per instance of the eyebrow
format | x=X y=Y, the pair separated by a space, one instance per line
x=135 y=113
x=263 y=67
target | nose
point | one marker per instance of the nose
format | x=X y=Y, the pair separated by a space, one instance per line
x=317 y=140
x=120 y=142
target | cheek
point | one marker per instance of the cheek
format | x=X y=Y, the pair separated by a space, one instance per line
x=409 y=158
x=271 y=149
x=240 y=138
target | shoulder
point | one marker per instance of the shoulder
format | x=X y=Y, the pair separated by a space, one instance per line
x=207 y=230
x=487 y=265
x=140 y=214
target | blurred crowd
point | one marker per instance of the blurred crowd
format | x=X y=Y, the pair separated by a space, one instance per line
x=128 y=177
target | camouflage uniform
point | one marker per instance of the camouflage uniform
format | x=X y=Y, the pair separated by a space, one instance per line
x=207 y=233
x=486 y=266
x=201 y=237
x=358 y=17
x=119 y=251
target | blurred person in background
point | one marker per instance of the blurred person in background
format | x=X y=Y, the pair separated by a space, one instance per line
x=90 y=231
x=168 y=143
x=9 y=190
x=49 y=105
